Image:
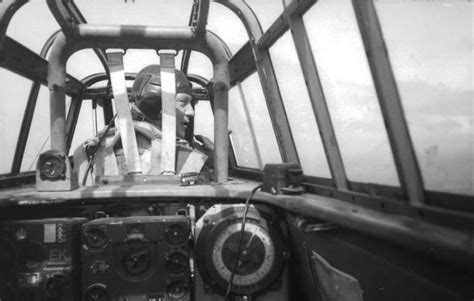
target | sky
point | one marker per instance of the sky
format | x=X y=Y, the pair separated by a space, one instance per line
x=430 y=45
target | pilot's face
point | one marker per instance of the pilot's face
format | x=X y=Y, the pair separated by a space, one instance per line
x=184 y=111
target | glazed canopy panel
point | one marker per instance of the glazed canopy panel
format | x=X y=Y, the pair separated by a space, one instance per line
x=367 y=137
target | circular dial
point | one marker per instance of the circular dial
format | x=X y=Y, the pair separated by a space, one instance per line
x=176 y=235
x=256 y=255
x=95 y=238
x=176 y=262
x=176 y=290
x=96 y=292
x=52 y=167
x=56 y=285
x=137 y=260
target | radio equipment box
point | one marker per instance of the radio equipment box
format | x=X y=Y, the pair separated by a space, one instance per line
x=136 y=258
x=39 y=259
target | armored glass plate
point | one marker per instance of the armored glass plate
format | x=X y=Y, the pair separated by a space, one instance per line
x=266 y=140
x=242 y=136
x=204 y=120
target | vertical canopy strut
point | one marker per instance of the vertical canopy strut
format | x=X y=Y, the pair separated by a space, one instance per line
x=124 y=118
x=168 y=99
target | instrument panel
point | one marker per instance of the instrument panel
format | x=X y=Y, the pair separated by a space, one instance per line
x=141 y=251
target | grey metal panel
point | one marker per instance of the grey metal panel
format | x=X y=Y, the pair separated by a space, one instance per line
x=320 y=108
x=203 y=12
x=242 y=64
x=267 y=78
x=389 y=99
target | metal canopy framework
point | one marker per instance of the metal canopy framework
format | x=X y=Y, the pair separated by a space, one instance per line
x=253 y=56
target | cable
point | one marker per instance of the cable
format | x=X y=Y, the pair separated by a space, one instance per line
x=241 y=242
x=92 y=156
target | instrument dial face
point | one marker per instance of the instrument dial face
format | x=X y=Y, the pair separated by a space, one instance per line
x=52 y=167
x=176 y=235
x=137 y=260
x=95 y=238
x=257 y=254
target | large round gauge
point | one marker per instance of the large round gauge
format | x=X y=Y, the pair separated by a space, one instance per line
x=257 y=256
x=136 y=260
x=52 y=165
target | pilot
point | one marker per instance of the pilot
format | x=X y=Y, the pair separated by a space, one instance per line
x=104 y=155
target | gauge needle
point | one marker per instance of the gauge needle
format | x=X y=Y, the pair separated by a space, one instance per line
x=251 y=237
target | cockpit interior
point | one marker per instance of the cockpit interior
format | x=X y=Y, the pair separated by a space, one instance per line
x=236 y=150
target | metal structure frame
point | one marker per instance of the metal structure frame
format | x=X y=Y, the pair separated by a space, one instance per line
x=316 y=94
x=389 y=99
x=268 y=80
x=253 y=56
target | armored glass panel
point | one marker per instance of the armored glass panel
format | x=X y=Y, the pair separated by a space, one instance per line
x=350 y=93
x=204 y=120
x=32 y=25
x=430 y=45
x=227 y=26
x=267 y=11
x=241 y=132
x=13 y=95
x=299 y=110
x=143 y=12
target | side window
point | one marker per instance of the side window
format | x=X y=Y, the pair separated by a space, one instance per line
x=252 y=135
x=14 y=95
x=241 y=132
x=430 y=46
x=298 y=108
x=350 y=93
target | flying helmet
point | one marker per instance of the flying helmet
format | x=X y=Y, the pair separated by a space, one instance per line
x=146 y=90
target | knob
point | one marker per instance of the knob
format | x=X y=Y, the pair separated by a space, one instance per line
x=56 y=285
x=96 y=292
